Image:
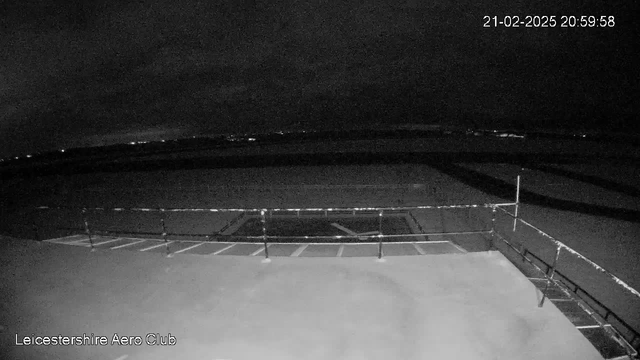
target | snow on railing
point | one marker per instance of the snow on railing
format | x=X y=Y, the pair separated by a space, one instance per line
x=258 y=210
x=562 y=245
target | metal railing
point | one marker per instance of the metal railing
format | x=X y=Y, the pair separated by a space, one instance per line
x=622 y=329
x=580 y=292
x=264 y=213
x=549 y=268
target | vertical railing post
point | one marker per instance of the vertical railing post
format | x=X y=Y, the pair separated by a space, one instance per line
x=493 y=227
x=86 y=227
x=550 y=277
x=164 y=233
x=264 y=234
x=380 y=235
x=515 y=219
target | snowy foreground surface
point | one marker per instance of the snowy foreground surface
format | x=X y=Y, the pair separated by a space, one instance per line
x=458 y=306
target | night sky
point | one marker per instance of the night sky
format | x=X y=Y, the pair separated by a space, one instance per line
x=91 y=72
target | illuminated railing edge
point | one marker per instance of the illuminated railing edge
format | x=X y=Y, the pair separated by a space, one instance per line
x=628 y=344
x=258 y=210
x=561 y=245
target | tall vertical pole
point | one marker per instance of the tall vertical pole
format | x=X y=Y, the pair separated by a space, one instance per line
x=264 y=233
x=86 y=227
x=515 y=219
x=550 y=276
x=164 y=233
x=380 y=234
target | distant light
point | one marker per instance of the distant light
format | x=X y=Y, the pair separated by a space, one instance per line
x=161 y=140
x=62 y=150
x=17 y=158
x=251 y=139
x=132 y=143
x=28 y=156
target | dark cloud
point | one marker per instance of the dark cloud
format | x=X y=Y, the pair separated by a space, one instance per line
x=77 y=72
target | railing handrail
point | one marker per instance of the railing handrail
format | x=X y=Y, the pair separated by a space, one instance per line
x=576 y=253
x=285 y=237
x=267 y=186
x=266 y=209
x=561 y=284
x=576 y=287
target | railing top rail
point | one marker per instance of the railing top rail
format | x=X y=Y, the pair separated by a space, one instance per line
x=560 y=244
x=282 y=186
x=376 y=236
x=387 y=208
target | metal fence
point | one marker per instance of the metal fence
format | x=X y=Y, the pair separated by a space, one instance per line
x=265 y=214
x=609 y=299
x=612 y=299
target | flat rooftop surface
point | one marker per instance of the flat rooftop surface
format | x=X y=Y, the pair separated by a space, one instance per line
x=449 y=306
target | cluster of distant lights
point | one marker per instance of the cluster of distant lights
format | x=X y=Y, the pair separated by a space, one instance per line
x=234 y=138
x=244 y=137
x=28 y=156
x=228 y=138
x=503 y=134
